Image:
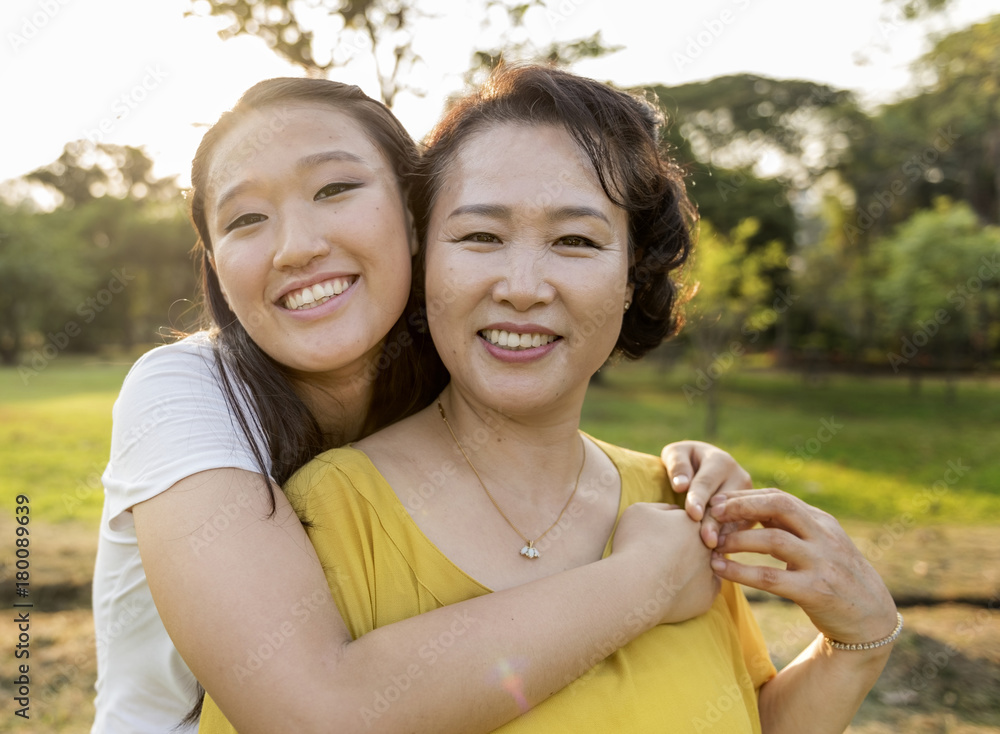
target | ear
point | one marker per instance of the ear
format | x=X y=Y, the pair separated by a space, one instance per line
x=629 y=292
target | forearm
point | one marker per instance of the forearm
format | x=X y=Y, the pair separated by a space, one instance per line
x=821 y=690
x=474 y=666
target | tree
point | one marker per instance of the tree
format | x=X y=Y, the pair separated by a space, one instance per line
x=940 y=295
x=382 y=29
x=41 y=274
x=733 y=304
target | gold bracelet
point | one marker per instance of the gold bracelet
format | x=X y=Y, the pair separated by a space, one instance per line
x=868 y=645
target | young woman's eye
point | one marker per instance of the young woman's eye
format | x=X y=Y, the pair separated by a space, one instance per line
x=245 y=221
x=575 y=241
x=333 y=189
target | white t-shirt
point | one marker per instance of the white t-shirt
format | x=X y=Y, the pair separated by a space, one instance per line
x=171 y=420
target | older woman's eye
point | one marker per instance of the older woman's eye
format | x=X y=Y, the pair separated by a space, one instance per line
x=245 y=221
x=575 y=241
x=333 y=189
x=480 y=237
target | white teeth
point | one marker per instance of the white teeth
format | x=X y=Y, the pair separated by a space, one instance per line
x=314 y=295
x=512 y=340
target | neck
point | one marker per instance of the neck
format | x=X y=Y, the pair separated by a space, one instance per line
x=339 y=401
x=512 y=452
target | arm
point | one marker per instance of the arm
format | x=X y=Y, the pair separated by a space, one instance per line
x=826 y=575
x=246 y=603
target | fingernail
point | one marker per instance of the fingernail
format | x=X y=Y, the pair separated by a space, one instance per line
x=697 y=507
x=681 y=479
x=718 y=509
x=718 y=563
x=717 y=499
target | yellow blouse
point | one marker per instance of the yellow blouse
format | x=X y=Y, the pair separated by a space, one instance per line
x=700 y=675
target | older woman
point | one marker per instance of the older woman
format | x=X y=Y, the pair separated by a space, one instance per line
x=551 y=225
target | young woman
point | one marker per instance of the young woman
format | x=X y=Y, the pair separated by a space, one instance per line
x=306 y=243
x=551 y=226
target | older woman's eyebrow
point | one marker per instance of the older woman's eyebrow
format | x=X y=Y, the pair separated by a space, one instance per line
x=499 y=211
x=308 y=161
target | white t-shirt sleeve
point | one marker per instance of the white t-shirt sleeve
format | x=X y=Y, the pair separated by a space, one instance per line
x=171 y=420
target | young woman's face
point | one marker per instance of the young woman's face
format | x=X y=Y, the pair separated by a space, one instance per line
x=311 y=237
x=527 y=268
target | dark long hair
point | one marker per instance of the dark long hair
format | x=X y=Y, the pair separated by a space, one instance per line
x=620 y=134
x=406 y=375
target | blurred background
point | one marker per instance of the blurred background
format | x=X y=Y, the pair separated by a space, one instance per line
x=843 y=341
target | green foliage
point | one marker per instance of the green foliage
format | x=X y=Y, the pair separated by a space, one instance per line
x=942 y=281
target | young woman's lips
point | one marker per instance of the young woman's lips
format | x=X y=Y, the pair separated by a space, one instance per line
x=517 y=345
x=317 y=299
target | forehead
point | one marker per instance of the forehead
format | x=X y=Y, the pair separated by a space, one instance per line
x=268 y=140
x=522 y=165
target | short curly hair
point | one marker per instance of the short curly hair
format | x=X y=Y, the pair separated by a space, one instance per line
x=620 y=134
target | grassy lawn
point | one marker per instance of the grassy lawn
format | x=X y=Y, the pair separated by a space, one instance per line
x=860 y=448
x=863 y=449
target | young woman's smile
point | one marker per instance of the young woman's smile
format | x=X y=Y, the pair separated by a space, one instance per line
x=311 y=237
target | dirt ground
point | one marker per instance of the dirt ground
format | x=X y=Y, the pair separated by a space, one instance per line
x=943 y=676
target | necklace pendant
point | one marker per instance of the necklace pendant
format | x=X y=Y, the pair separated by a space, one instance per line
x=530 y=551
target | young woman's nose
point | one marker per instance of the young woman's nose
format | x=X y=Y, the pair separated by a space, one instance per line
x=525 y=280
x=299 y=243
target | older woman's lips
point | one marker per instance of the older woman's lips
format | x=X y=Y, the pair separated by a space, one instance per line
x=515 y=347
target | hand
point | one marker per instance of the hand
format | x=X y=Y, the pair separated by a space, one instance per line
x=663 y=539
x=825 y=573
x=713 y=470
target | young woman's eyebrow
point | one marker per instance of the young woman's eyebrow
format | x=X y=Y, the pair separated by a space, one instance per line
x=315 y=159
x=309 y=161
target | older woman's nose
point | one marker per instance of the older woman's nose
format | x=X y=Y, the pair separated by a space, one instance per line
x=525 y=281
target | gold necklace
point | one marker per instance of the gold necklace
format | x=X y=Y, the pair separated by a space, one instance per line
x=529 y=550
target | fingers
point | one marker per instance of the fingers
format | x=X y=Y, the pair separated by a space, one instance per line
x=769 y=541
x=702 y=469
x=677 y=458
x=766 y=578
x=770 y=507
x=711 y=531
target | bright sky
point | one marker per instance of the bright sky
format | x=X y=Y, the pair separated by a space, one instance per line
x=140 y=73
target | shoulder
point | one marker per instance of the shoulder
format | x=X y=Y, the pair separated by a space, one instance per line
x=333 y=478
x=643 y=476
x=192 y=357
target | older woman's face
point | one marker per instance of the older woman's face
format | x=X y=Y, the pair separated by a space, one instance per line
x=527 y=269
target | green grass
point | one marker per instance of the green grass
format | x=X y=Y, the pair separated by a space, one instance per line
x=883 y=462
x=55 y=435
